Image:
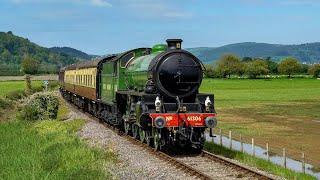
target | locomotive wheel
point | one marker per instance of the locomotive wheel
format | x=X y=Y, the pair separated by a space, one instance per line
x=142 y=135
x=127 y=128
x=149 y=138
x=135 y=131
x=156 y=141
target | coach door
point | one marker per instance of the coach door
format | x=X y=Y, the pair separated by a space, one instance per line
x=108 y=82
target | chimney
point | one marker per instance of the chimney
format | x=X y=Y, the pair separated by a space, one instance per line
x=174 y=43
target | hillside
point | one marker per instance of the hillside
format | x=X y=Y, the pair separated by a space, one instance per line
x=308 y=53
x=14 y=48
x=72 y=52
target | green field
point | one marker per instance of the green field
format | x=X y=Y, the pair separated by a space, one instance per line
x=47 y=149
x=283 y=112
x=9 y=86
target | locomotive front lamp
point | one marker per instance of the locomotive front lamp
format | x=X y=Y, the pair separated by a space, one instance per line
x=207 y=103
x=157 y=104
x=211 y=122
x=160 y=122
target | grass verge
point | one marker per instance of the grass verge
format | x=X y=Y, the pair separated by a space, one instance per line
x=282 y=112
x=49 y=150
x=255 y=162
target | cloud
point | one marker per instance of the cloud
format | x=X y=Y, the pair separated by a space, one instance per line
x=97 y=3
x=100 y=3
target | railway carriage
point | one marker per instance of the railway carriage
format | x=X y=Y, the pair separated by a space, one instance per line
x=149 y=93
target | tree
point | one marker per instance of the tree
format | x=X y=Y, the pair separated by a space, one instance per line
x=304 y=68
x=315 y=70
x=210 y=71
x=241 y=69
x=289 y=66
x=246 y=59
x=228 y=64
x=272 y=66
x=30 y=65
x=256 y=68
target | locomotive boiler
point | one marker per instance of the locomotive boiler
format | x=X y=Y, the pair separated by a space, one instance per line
x=149 y=93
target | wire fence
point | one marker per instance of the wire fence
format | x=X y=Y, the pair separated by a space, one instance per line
x=288 y=158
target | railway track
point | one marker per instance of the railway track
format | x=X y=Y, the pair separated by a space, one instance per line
x=198 y=166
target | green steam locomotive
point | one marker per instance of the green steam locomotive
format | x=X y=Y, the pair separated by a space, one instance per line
x=149 y=93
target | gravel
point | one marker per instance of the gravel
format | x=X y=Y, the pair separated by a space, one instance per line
x=135 y=162
x=213 y=169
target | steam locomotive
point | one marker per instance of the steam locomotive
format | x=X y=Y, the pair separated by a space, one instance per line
x=149 y=93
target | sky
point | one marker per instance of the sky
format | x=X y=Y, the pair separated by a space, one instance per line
x=112 y=26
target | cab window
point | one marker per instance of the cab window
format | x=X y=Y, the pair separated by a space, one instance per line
x=125 y=59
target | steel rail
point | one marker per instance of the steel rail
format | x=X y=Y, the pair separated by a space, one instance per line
x=238 y=166
x=178 y=164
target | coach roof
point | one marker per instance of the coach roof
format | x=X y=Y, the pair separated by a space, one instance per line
x=89 y=64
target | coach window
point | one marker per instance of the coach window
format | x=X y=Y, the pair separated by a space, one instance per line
x=91 y=83
x=82 y=79
x=90 y=80
x=94 y=83
x=87 y=79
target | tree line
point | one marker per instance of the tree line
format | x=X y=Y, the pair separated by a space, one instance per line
x=230 y=64
x=14 y=50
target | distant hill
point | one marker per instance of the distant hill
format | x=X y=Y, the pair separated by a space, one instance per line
x=14 y=48
x=309 y=53
x=72 y=52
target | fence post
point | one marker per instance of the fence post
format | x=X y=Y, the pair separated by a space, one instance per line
x=220 y=133
x=253 y=147
x=241 y=143
x=303 y=163
x=284 y=158
x=268 y=158
x=230 y=138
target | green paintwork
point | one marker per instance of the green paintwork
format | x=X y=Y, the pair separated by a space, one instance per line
x=108 y=84
x=137 y=71
x=115 y=77
x=159 y=48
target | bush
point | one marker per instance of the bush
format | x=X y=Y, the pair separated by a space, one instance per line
x=53 y=84
x=210 y=72
x=37 y=89
x=16 y=95
x=315 y=70
x=5 y=103
x=40 y=106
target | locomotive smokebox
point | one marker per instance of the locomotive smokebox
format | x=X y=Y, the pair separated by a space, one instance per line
x=174 y=43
